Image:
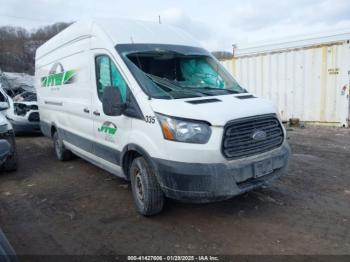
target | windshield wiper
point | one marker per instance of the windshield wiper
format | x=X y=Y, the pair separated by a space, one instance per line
x=230 y=91
x=198 y=91
x=172 y=87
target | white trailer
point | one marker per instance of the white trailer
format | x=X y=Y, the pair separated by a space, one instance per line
x=306 y=77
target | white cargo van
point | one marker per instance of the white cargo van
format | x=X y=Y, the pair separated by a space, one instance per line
x=145 y=102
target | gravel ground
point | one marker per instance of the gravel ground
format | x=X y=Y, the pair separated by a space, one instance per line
x=52 y=207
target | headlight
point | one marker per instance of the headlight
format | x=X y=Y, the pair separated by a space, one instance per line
x=182 y=130
x=3 y=128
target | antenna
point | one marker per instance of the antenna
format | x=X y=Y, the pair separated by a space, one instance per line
x=234 y=47
x=159 y=20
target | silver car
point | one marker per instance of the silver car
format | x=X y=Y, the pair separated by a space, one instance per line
x=5 y=148
x=8 y=152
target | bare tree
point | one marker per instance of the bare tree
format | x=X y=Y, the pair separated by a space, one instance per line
x=18 y=46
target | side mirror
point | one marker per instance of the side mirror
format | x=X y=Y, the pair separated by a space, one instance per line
x=4 y=106
x=112 y=101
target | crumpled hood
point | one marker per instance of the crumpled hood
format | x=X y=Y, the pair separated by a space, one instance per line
x=216 y=113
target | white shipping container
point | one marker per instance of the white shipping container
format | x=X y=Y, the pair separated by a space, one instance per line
x=307 y=78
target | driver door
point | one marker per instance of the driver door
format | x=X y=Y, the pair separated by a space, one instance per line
x=111 y=132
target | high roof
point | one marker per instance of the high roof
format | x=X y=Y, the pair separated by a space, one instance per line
x=123 y=31
x=293 y=42
x=120 y=31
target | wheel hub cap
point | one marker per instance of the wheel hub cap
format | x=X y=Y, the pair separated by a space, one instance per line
x=139 y=186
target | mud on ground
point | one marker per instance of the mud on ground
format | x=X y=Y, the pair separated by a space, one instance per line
x=52 y=207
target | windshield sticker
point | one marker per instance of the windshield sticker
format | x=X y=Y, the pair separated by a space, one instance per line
x=57 y=76
x=105 y=74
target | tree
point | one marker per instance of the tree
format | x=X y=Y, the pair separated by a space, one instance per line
x=18 y=46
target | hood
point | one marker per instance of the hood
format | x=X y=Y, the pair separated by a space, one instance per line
x=217 y=110
x=25 y=97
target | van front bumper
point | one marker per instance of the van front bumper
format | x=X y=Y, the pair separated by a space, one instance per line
x=202 y=183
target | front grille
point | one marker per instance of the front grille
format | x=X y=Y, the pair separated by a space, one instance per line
x=238 y=136
x=34 y=117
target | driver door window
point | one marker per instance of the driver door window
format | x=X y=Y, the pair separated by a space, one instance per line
x=107 y=74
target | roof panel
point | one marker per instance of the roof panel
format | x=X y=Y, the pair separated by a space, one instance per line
x=293 y=42
x=124 y=31
x=120 y=31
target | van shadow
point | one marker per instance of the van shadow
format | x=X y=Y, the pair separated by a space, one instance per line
x=255 y=202
x=29 y=134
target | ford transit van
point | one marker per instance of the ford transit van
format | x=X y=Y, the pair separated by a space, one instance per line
x=147 y=103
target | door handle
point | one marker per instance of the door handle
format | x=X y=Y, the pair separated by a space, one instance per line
x=96 y=113
x=86 y=110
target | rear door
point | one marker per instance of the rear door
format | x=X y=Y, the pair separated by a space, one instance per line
x=111 y=132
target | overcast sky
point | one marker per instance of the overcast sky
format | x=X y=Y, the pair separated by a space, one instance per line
x=217 y=24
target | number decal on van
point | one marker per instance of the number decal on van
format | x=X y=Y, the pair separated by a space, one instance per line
x=150 y=119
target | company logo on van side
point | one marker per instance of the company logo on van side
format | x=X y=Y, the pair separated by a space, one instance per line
x=108 y=128
x=58 y=78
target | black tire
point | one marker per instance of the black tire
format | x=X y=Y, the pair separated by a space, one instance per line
x=61 y=152
x=148 y=196
x=11 y=162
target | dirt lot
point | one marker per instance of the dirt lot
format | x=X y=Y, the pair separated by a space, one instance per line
x=51 y=207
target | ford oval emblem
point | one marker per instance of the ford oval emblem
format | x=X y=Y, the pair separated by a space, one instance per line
x=259 y=135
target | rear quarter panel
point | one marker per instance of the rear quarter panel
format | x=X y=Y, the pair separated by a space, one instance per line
x=62 y=98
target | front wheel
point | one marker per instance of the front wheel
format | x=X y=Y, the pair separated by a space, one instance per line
x=148 y=196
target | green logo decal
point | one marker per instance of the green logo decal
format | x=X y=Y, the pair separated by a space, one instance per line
x=108 y=128
x=58 y=78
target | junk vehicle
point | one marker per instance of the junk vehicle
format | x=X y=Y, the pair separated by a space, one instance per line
x=145 y=102
x=4 y=150
x=8 y=154
x=23 y=112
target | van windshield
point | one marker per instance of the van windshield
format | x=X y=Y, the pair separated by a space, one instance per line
x=173 y=72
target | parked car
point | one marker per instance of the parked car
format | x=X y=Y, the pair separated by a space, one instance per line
x=145 y=102
x=23 y=113
x=8 y=153
x=5 y=148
